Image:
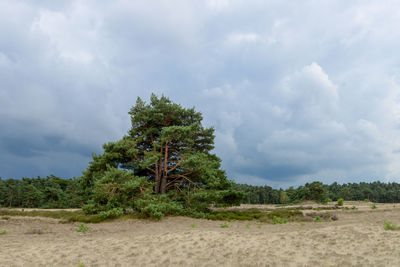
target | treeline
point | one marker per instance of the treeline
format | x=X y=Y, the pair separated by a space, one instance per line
x=49 y=192
x=375 y=192
x=55 y=192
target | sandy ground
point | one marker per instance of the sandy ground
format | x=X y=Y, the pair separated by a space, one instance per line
x=356 y=239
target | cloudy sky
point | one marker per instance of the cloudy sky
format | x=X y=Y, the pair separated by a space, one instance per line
x=297 y=90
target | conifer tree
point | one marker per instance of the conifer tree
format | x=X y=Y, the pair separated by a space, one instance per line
x=168 y=146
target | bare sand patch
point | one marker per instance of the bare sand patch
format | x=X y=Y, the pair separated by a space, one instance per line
x=356 y=239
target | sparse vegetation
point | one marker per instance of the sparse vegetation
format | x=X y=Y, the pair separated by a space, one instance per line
x=4 y=232
x=225 y=225
x=317 y=219
x=193 y=225
x=373 y=206
x=34 y=231
x=278 y=220
x=388 y=225
x=83 y=228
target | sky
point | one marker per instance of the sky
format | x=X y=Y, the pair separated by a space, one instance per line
x=297 y=90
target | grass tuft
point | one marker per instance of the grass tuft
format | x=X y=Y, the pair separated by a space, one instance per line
x=225 y=225
x=4 y=232
x=82 y=228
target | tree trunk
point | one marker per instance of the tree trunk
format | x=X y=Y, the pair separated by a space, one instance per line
x=157 y=175
x=165 y=173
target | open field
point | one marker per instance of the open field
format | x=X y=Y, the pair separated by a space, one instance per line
x=358 y=238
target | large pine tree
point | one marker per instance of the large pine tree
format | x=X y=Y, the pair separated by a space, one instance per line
x=168 y=146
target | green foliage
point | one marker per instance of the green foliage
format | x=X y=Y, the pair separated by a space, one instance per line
x=113 y=213
x=193 y=225
x=278 y=220
x=388 y=225
x=225 y=225
x=375 y=191
x=82 y=228
x=80 y=264
x=354 y=208
x=4 y=232
x=158 y=206
x=315 y=191
x=373 y=206
x=366 y=200
x=340 y=202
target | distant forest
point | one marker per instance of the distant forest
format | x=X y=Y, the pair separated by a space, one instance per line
x=55 y=192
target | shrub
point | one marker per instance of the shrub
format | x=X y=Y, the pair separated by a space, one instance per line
x=318 y=219
x=193 y=225
x=116 y=212
x=340 y=202
x=328 y=200
x=158 y=207
x=387 y=225
x=354 y=208
x=4 y=232
x=82 y=228
x=366 y=200
x=374 y=207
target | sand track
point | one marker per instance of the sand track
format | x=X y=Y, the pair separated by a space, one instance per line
x=356 y=239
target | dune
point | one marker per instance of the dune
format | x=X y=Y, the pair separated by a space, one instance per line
x=356 y=239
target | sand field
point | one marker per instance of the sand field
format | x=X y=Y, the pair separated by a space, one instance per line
x=356 y=239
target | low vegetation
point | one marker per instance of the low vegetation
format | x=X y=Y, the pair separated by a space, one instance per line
x=82 y=228
x=4 y=232
x=225 y=225
x=388 y=225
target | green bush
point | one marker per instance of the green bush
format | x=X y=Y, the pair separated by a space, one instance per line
x=113 y=213
x=4 y=232
x=366 y=200
x=373 y=206
x=318 y=219
x=340 y=202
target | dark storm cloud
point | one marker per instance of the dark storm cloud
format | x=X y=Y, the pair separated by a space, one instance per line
x=295 y=91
